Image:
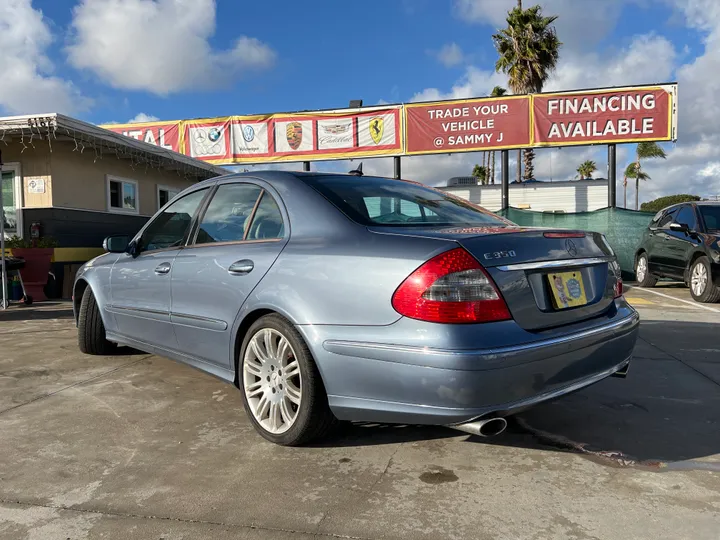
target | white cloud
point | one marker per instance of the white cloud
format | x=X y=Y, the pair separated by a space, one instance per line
x=160 y=46
x=581 y=23
x=450 y=55
x=27 y=84
x=142 y=117
x=475 y=82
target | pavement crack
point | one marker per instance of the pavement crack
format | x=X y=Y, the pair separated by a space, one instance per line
x=79 y=383
x=176 y=519
x=716 y=383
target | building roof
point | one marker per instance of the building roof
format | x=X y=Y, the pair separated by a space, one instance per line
x=52 y=127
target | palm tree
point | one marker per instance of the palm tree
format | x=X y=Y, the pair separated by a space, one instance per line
x=528 y=52
x=496 y=92
x=480 y=172
x=645 y=150
x=633 y=170
x=586 y=169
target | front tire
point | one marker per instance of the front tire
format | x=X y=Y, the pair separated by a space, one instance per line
x=283 y=393
x=642 y=272
x=702 y=287
x=91 y=330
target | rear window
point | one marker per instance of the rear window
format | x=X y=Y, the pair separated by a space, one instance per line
x=711 y=216
x=371 y=200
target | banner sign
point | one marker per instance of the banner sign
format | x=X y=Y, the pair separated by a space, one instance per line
x=583 y=117
x=603 y=116
x=163 y=134
x=467 y=125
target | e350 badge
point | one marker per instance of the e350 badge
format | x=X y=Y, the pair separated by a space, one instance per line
x=499 y=254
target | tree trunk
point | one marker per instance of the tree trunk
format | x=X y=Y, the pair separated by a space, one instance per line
x=520 y=4
x=637 y=187
x=528 y=163
x=492 y=169
x=519 y=166
x=625 y=192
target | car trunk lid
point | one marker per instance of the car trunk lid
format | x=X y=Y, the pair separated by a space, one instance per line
x=548 y=277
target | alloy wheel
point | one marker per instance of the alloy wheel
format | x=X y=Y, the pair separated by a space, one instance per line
x=699 y=279
x=272 y=381
x=641 y=270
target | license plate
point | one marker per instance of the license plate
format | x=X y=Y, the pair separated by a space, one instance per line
x=568 y=289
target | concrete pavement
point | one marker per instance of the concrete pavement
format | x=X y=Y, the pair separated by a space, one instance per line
x=136 y=446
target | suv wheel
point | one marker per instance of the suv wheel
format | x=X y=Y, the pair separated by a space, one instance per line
x=642 y=272
x=281 y=387
x=702 y=287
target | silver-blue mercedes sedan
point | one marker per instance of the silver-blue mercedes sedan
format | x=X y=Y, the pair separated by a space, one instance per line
x=329 y=296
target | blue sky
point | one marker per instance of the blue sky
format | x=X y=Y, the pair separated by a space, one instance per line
x=112 y=60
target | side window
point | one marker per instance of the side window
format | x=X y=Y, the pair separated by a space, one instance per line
x=267 y=223
x=228 y=214
x=667 y=219
x=686 y=216
x=168 y=229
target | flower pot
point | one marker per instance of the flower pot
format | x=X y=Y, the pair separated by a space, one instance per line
x=35 y=273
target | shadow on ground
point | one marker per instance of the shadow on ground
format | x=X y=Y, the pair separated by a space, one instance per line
x=667 y=409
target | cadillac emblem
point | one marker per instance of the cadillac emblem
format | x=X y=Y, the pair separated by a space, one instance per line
x=377 y=126
x=294 y=134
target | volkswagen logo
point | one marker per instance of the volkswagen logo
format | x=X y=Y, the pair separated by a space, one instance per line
x=570 y=246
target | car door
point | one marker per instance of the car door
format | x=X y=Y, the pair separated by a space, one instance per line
x=658 y=257
x=680 y=244
x=140 y=280
x=237 y=239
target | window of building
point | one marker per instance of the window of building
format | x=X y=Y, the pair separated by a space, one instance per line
x=122 y=195
x=165 y=194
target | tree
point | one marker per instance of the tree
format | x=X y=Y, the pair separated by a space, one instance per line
x=480 y=172
x=586 y=169
x=644 y=150
x=663 y=202
x=496 y=92
x=528 y=52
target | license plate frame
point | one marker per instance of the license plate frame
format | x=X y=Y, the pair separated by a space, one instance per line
x=567 y=289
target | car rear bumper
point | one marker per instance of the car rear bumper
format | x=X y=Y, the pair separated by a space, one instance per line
x=399 y=384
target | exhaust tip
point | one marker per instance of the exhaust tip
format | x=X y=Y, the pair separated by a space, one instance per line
x=489 y=427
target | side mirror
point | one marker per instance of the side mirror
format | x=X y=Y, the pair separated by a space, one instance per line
x=679 y=227
x=116 y=244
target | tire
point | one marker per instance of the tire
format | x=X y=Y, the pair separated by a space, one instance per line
x=91 y=330
x=707 y=292
x=262 y=382
x=648 y=280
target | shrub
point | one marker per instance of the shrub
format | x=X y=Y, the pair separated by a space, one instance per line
x=664 y=202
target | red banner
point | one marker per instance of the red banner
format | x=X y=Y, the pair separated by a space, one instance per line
x=467 y=125
x=162 y=134
x=607 y=116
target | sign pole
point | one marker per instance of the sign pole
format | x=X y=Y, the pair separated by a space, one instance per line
x=505 y=188
x=612 y=176
x=3 y=274
x=397 y=167
x=306 y=166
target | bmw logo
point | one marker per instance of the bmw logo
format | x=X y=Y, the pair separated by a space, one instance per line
x=214 y=134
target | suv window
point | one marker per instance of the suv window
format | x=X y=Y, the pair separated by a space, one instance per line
x=267 y=223
x=168 y=229
x=667 y=219
x=686 y=216
x=711 y=216
x=227 y=216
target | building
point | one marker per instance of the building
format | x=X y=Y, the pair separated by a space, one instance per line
x=567 y=196
x=79 y=183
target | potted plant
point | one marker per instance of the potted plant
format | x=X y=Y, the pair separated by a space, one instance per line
x=38 y=255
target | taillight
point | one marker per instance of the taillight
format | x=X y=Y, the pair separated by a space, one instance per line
x=618 y=287
x=450 y=288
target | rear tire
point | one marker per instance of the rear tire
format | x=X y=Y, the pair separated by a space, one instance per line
x=270 y=396
x=702 y=287
x=91 y=330
x=642 y=272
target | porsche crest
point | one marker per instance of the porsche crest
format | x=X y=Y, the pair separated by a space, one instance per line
x=377 y=126
x=294 y=134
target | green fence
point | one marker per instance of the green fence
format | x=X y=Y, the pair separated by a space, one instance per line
x=622 y=228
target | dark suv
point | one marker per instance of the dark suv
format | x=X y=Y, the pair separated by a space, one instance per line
x=682 y=243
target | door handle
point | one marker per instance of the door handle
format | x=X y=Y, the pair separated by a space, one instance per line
x=163 y=268
x=244 y=266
